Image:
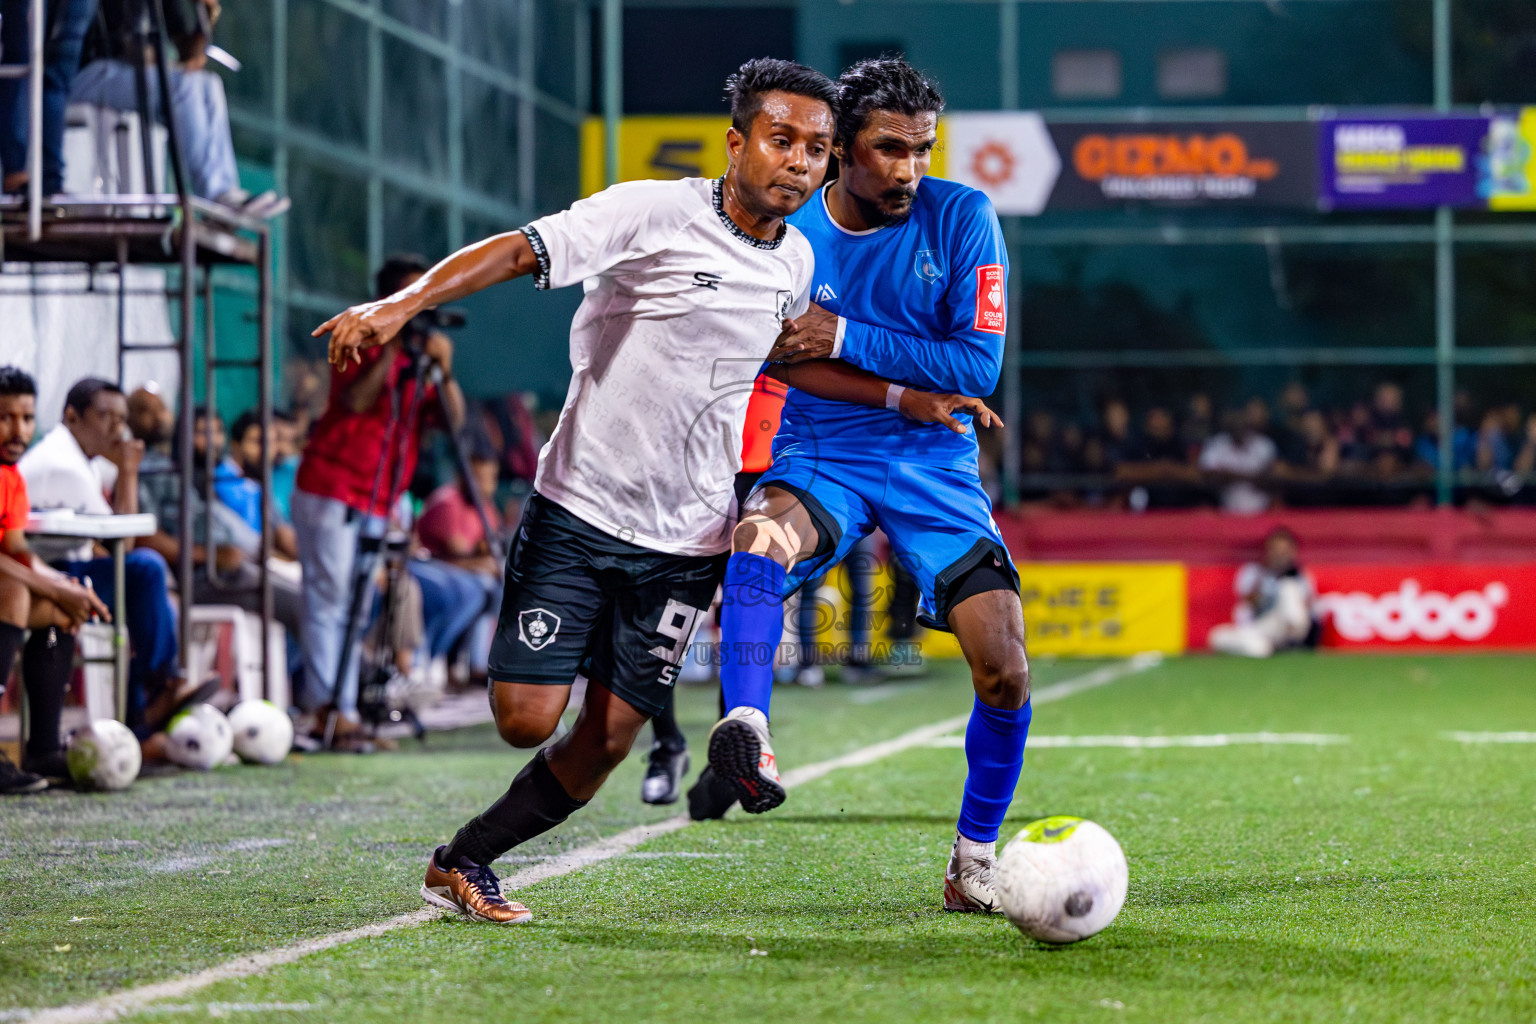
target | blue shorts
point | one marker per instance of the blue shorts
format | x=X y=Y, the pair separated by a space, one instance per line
x=938 y=520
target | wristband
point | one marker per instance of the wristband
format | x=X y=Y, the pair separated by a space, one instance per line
x=893 y=397
x=837 y=339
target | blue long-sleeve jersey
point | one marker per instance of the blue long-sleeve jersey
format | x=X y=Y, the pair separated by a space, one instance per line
x=924 y=304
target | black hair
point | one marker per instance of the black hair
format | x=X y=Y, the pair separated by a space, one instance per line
x=391 y=276
x=84 y=392
x=243 y=423
x=762 y=75
x=882 y=83
x=16 y=381
x=1281 y=532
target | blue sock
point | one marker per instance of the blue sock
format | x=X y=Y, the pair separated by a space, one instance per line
x=994 y=753
x=751 y=626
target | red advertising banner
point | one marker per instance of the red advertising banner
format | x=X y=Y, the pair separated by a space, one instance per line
x=1414 y=606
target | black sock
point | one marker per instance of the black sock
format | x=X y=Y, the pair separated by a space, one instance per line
x=45 y=666
x=10 y=643
x=664 y=725
x=532 y=805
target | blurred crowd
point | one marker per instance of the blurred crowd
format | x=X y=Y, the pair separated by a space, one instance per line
x=1251 y=457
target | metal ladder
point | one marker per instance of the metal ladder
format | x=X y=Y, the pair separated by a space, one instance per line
x=33 y=72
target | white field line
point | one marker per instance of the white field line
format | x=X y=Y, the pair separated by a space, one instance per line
x=132 y=1000
x=1220 y=739
x=1491 y=737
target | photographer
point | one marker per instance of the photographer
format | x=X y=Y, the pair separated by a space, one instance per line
x=360 y=452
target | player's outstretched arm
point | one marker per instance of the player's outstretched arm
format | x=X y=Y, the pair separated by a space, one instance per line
x=471 y=269
x=837 y=381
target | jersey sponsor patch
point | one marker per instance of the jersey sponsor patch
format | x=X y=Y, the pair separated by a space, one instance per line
x=991 y=311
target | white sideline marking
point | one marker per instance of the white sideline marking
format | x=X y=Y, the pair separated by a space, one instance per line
x=132 y=1000
x=1220 y=739
x=1491 y=737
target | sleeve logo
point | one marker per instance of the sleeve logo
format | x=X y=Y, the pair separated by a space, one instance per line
x=991 y=311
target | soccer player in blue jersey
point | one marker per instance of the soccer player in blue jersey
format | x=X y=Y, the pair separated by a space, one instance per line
x=910 y=284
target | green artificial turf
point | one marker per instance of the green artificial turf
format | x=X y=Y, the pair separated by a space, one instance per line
x=1389 y=878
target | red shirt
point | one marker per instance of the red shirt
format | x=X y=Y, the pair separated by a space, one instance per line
x=449 y=526
x=14 y=506
x=342 y=457
x=763 y=411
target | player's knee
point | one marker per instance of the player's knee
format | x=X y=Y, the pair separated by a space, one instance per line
x=1003 y=683
x=614 y=750
x=523 y=730
x=751 y=537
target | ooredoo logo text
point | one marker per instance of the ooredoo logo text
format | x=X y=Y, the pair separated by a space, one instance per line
x=1412 y=613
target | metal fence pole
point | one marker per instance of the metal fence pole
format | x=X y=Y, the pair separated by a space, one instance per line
x=1445 y=281
x=613 y=86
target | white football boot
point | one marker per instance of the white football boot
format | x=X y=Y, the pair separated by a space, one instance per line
x=742 y=757
x=968 y=878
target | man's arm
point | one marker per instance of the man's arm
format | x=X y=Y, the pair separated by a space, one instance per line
x=966 y=359
x=471 y=269
x=837 y=381
x=77 y=602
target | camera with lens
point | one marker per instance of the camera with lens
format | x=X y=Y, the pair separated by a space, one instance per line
x=416 y=330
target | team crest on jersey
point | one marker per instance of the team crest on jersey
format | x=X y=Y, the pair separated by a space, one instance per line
x=537 y=627
x=926 y=265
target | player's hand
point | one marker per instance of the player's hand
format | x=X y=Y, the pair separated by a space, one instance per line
x=79 y=603
x=928 y=407
x=811 y=335
x=366 y=325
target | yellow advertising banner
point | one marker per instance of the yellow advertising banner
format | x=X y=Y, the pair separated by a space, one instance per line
x=1510 y=178
x=1096 y=610
x=682 y=146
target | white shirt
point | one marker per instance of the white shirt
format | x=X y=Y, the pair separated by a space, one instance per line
x=1254 y=456
x=1256 y=580
x=680 y=311
x=59 y=475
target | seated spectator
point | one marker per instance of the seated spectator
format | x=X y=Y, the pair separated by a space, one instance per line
x=287 y=447
x=1236 y=456
x=1118 y=442
x=1463 y=444
x=36 y=597
x=1312 y=450
x=68 y=22
x=1158 y=465
x=1386 y=434
x=236 y=556
x=1525 y=459
x=108 y=79
x=151 y=422
x=450 y=527
x=1493 y=451
x=1276 y=603
x=74 y=466
x=239 y=478
x=1198 y=424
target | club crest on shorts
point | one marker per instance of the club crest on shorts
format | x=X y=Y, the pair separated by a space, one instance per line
x=537 y=627
x=926 y=265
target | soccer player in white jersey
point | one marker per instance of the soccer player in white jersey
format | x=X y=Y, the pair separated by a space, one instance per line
x=625 y=538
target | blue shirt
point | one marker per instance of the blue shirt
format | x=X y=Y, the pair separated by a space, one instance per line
x=925 y=305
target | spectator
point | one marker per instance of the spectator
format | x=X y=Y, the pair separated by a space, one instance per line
x=286 y=446
x=462 y=579
x=1276 y=603
x=150 y=421
x=1493 y=448
x=1237 y=456
x=239 y=480
x=351 y=460
x=1313 y=449
x=32 y=596
x=1196 y=428
x=73 y=467
x=1386 y=434
x=1525 y=459
x=236 y=573
x=1117 y=441
x=1463 y=445
x=197 y=94
x=68 y=21
x=1159 y=466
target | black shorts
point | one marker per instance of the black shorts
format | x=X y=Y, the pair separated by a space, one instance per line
x=580 y=601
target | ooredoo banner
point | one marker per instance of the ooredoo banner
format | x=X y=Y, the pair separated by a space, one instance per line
x=1428 y=605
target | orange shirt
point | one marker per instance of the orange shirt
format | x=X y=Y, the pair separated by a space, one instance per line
x=763 y=411
x=14 y=506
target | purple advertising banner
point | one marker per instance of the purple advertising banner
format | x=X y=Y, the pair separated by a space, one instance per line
x=1400 y=163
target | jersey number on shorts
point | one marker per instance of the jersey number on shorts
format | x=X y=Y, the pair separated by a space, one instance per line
x=677 y=623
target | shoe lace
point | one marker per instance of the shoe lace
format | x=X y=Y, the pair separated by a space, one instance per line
x=978 y=869
x=484 y=880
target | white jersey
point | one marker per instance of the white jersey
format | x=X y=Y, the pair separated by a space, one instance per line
x=680 y=311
